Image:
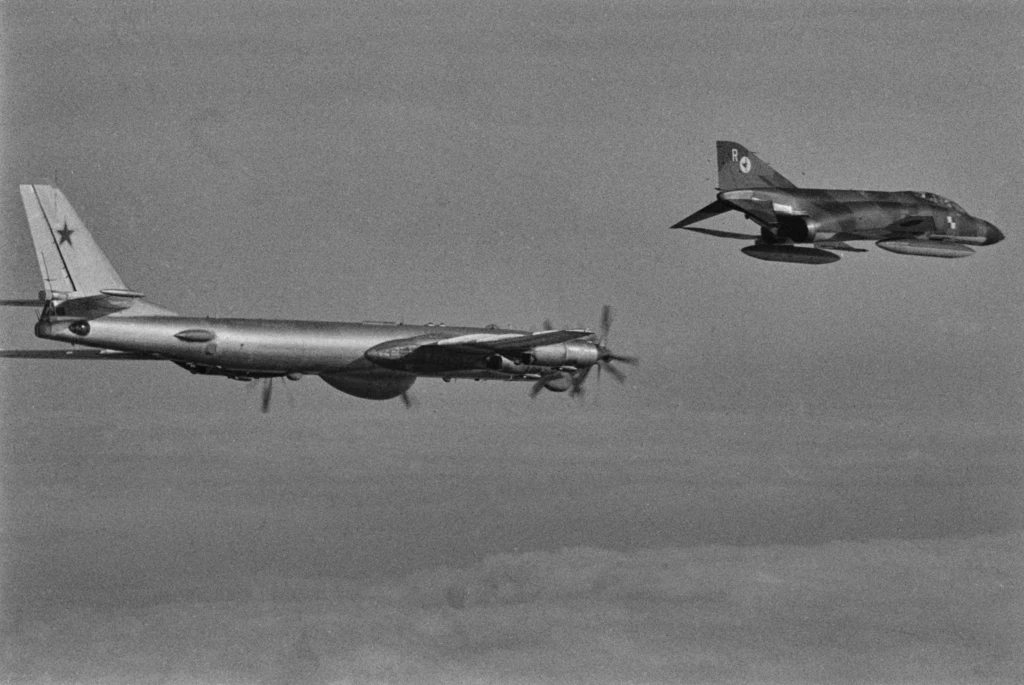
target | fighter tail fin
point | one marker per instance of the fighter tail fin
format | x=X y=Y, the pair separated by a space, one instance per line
x=73 y=266
x=739 y=168
x=714 y=209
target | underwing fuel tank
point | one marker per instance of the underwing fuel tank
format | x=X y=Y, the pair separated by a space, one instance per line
x=926 y=248
x=790 y=253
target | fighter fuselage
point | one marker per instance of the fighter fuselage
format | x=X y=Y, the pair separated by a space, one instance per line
x=904 y=222
x=822 y=215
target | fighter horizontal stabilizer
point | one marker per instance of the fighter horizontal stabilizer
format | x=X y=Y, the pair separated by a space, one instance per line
x=714 y=209
x=504 y=342
x=78 y=354
x=723 y=234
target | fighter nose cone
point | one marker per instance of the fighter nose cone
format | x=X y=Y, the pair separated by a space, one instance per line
x=992 y=234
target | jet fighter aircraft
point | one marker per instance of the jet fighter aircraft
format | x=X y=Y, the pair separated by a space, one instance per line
x=907 y=222
x=85 y=302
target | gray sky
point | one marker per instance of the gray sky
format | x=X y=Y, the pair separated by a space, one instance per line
x=814 y=475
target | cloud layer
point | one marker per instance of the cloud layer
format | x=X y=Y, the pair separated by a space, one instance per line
x=877 y=611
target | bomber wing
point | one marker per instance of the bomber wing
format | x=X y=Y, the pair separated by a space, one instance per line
x=78 y=354
x=511 y=342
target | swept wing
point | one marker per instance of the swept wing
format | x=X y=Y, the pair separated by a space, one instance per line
x=511 y=342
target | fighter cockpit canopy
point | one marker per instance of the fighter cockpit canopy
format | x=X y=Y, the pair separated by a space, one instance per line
x=939 y=200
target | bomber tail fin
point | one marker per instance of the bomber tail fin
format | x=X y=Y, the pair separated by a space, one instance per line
x=739 y=168
x=73 y=267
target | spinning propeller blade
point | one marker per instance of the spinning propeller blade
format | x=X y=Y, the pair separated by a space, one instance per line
x=605 y=357
x=268 y=389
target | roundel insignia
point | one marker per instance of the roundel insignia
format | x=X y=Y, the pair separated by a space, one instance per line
x=745 y=165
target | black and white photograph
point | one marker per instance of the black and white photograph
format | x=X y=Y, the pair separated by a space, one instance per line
x=551 y=342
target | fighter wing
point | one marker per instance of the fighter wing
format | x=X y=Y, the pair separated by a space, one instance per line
x=78 y=354
x=511 y=342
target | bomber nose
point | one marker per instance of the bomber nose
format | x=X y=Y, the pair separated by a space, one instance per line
x=992 y=234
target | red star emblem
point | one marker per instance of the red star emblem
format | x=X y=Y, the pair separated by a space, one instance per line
x=65 y=235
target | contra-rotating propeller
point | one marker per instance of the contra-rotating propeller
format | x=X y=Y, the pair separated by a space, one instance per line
x=605 y=357
x=268 y=389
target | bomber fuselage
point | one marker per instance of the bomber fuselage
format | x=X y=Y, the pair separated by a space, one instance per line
x=309 y=347
x=247 y=348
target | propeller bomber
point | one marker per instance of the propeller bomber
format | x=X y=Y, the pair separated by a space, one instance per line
x=84 y=302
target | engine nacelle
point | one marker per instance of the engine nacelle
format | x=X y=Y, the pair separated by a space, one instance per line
x=573 y=353
x=371 y=386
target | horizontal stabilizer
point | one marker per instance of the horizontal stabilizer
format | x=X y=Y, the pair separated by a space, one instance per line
x=714 y=209
x=22 y=303
x=94 y=306
x=723 y=234
x=77 y=354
